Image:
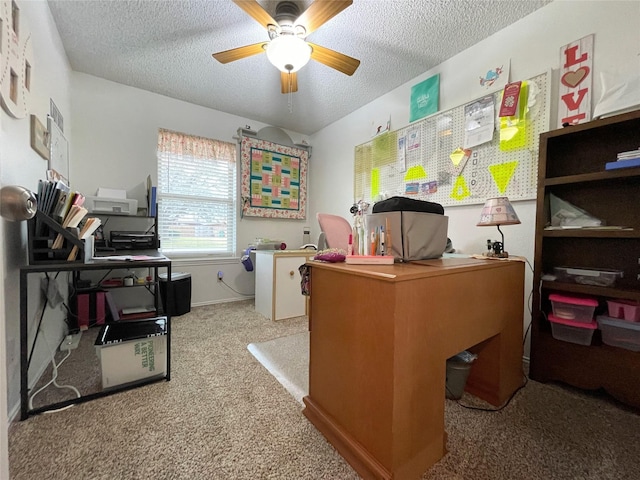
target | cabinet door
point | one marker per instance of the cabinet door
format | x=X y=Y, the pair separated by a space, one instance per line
x=264 y=284
x=289 y=301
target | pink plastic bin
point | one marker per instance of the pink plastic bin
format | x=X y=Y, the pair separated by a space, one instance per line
x=573 y=308
x=572 y=331
x=624 y=309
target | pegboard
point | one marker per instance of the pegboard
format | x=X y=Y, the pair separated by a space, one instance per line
x=427 y=171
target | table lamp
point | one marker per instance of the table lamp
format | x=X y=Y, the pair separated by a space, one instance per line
x=497 y=211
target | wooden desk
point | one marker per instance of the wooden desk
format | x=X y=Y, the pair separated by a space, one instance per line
x=380 y=337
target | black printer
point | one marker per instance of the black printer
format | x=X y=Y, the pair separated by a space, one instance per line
x=133 y=240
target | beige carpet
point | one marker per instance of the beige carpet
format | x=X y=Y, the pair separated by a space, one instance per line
x=287 y=359
x=224 y=416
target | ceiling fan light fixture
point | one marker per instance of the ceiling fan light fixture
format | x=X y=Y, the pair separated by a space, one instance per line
x=288 y=53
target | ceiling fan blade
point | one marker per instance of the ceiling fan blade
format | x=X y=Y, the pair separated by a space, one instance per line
x=239 y=53
x=333 y=59
x=255 y=11
x=319 y=12
x=289 y=82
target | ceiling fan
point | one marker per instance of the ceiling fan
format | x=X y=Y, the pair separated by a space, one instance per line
x=287 y=48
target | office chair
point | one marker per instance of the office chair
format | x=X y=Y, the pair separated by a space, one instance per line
x=335 y=231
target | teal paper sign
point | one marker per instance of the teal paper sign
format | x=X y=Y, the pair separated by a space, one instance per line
x=424 y=98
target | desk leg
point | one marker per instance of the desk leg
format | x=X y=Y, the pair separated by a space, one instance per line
x=497 y=373
x=169 y=303
x=24 y=367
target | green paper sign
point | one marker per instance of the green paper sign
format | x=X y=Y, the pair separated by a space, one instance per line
x=424 y=98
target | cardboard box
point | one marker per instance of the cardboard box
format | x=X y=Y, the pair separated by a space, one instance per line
x=414 y=235
x=132 y=351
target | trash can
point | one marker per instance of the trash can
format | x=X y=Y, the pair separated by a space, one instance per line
x=180 y=293
x=458 y=368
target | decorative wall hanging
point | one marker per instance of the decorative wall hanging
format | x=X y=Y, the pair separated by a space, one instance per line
x=576 y=79
x=39 y=138
x=58 y=151
x=425 y=97
x=16 y=60
x=274 y=179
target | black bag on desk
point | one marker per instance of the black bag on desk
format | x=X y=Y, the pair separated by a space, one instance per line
x=418 y=229
x=404 y=204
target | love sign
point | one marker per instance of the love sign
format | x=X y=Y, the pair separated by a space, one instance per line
x=574 y=91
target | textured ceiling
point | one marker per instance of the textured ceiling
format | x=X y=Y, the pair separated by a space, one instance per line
x=165 y=47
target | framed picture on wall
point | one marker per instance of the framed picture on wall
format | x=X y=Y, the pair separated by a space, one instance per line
x=39 y=138
x=58 y=150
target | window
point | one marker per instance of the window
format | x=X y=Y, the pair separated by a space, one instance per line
x=196 y=195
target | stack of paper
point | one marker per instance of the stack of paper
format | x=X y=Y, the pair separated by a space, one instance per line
x=564 y=214
x=625 y=160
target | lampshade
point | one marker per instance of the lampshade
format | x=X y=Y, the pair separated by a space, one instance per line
x=498 y=211
x=288 y=53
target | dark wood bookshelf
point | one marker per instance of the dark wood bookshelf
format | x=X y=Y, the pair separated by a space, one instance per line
x=572 y=167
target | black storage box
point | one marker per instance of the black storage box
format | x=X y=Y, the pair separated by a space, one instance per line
x=180 y=293
x=404 y=204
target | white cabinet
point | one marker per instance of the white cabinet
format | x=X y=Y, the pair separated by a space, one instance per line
x=278 y=294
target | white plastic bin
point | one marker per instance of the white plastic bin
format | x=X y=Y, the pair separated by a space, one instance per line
x=620 y=333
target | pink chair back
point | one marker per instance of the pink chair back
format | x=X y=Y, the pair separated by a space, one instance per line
x=336 y=230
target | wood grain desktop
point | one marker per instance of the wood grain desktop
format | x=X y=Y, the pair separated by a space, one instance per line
x=380 y=337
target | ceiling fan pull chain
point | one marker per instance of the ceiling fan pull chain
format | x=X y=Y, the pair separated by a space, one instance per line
x=290 y=95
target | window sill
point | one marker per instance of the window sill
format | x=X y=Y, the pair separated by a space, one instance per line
x=198 y=260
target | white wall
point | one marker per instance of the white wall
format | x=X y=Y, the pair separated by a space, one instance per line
x=115 y=142
x=4 y=440
x=533 y=44
x=23 y=166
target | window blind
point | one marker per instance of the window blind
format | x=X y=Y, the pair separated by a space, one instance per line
x=196 y=195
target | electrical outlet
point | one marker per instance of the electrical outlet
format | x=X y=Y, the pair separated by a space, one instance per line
x=71 y=342
x=220 y=274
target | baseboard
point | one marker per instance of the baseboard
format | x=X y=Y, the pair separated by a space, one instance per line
x=225 y=300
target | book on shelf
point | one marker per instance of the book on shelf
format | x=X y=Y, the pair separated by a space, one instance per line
x=60 y=200
x=111 y=305
x=83 y=310
x=628 y=163
x=137 y=316
x=72 y=220
x=152 y=200
x=629 y=154
x=101 y=315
